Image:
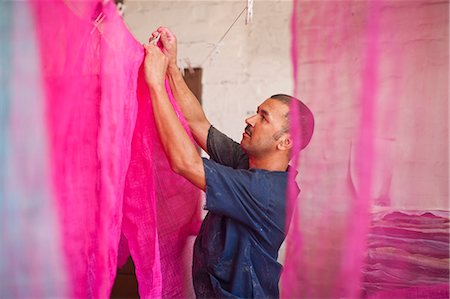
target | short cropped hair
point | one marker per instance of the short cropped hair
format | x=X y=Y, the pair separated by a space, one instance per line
x=306 y=118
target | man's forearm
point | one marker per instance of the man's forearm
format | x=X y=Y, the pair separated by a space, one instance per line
x=187 y=101
x=190 y=107
x=182 y=154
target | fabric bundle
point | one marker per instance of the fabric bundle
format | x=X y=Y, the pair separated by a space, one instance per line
x=407 y=250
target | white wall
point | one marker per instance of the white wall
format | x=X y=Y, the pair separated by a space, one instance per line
x=253 y=62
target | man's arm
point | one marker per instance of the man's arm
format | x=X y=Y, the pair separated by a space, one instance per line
x=182 y=154
x=189 y=105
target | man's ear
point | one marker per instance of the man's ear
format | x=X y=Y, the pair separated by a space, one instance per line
x=285 y=143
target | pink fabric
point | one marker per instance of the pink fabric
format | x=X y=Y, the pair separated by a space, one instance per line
x=358 y=223
x=407 y=255
x=85 y=182
x=290 y=287
x=173 y=203
x=356 y=67
x=89 y=76
x=417 y=292
x=109 y=171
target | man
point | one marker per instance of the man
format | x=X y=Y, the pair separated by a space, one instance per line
x=235 y=253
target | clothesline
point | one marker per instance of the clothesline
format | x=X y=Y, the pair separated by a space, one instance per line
x=223 y=36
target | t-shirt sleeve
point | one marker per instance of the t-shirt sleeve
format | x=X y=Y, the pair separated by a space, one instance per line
x=229 y=192
x=222 y=149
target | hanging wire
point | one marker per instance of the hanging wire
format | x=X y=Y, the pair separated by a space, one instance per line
x=223 y=36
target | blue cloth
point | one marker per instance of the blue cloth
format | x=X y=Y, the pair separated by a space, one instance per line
x=236 y=251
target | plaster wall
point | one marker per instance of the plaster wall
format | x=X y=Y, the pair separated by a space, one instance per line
x=253 y=62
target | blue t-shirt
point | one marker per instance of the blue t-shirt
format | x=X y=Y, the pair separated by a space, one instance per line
x=236 y=251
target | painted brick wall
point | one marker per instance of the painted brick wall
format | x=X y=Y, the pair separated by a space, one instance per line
x=254 y=62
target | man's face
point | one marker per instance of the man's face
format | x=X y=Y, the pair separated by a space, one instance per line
x=265 y=128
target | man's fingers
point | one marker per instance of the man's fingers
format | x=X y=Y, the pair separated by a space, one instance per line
x=153 y=36
x=164 y=38
x=153 y=50
x=149 y=48
x=170 y=36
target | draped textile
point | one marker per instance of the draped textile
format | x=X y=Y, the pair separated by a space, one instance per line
x=82 y=168
x=79 y=118
x=375 y=75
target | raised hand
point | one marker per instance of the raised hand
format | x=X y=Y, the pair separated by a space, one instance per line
x=155 y=65
x=169 y=44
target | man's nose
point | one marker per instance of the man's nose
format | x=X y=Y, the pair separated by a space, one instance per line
x=251 y=120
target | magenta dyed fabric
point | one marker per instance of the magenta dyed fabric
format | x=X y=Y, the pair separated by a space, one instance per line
x=109 y=172
x=91 y=112
x=355 y=66
x=85 y=182
x=407 y=255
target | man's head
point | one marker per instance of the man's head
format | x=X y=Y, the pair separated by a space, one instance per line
x=268 y=130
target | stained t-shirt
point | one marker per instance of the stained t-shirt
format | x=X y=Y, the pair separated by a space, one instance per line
x=236 y=251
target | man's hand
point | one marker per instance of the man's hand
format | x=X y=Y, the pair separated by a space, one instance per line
x=183 y=157
x=169 y=45
x=155 y=66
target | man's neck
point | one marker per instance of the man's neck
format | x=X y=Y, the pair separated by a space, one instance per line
x=269 y=163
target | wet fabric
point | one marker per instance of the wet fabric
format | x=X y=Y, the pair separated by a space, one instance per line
x=407 y=250
x=365 y=69
x=82 y=129
x=82 y=169
x=235 y=253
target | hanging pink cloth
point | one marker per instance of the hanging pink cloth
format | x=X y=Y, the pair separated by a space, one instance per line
x=109 y=171
x=84 y=180
x=369 y=71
